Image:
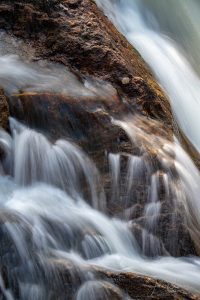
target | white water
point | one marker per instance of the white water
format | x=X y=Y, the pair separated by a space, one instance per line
x=63 y=227
x=18 y=73
x=162 y=31
x=51 y=193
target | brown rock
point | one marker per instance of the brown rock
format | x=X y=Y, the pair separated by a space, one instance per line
x=78 y=35
x=63 y=278
x=133 y=285
x=87 y=121
x=4 y=111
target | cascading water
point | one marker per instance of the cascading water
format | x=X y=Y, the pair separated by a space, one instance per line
x=162 y=31
x=52 y=201
x=48 y=225
x=61 y=164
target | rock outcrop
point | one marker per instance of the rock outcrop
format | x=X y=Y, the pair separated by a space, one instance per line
x=63 y=277
x=76 y=34
x=134 y=286
x=88 y=121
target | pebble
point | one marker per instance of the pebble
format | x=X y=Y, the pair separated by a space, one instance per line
x=125 y=80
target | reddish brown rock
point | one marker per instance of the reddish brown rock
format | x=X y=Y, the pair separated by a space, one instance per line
x=87 y=121
x=78 y=35
x=4 y=111
x=133 y=285
x=63 y=278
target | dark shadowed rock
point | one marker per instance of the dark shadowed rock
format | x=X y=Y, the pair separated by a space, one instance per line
x=76 y=34
x=4 y=113
x=85 y=120
x=88 y=122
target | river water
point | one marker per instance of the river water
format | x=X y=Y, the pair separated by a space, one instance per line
x=46 y=220
x=166 y=33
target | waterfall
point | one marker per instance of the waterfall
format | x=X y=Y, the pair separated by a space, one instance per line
x=48 y=222
x=54 y=221
x=163 y=31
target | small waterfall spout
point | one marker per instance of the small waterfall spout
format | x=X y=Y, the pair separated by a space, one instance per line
x=44 y=215
x=61 y=164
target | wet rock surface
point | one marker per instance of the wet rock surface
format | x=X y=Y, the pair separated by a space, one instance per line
x=85 y=120
x=131 y=285
x=65 y=278
x=77 y=35
x=4 y=111
x=88 y=122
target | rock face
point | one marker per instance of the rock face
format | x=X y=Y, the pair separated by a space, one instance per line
x=78 y=35
x=3 y=110
x=87 y=121
x=63 y=278
x=131 y=285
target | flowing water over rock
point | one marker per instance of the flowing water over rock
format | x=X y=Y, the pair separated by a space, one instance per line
x=163 y=31
x=58 y=240
x=42 y=224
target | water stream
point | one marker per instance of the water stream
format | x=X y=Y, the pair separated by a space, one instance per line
x=52 y=200
x=49 y=222
x=166 y=33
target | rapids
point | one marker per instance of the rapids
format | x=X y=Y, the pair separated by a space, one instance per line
x=166 y=33
x=64 y=227
x=52 y=201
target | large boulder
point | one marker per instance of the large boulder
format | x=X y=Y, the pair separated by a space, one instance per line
x=87 y=121
x=78 y=35
x=63 y=278
x=116 y=285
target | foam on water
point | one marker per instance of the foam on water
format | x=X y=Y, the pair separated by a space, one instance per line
x=18 y=73
x=50 y=224
x=146 y=25
x=52 y=208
